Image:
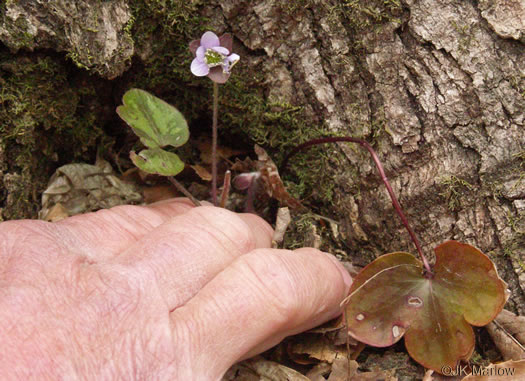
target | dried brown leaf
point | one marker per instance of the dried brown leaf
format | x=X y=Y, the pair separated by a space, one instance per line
x=245 y=165
x=318 y=372
x=428 y=375
x=202 y=172
x=239 y=372
x=272 y=182
x=508 y=333
x=340 y=370
x=56 y=213
x=316 y=348
x=281 y=224
x=272 y=371
x=82 y=188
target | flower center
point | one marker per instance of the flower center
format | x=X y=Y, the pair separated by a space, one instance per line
x=213 y=58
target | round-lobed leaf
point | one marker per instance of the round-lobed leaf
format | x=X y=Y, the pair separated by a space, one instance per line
x=392 y=297
x=155 y=122
x=157 y=161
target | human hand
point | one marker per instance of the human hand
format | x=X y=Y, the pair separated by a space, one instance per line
x=166 y=291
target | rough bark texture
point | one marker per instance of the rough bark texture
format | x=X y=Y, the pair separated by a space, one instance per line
x=93 y=33
x=445 y=81
x=438 y=86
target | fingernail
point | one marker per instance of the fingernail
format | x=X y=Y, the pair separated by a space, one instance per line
x=344 y=273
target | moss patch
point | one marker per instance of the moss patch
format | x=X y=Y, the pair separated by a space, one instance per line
x=44 y=122
x=455 y=190
x=363 y=14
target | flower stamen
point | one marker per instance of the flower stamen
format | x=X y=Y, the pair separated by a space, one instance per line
x=213 y=58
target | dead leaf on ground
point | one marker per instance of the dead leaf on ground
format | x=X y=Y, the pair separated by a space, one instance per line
x=503 y=371
x=271 y=180
x=340 y=372
x=245 y=165
x=508 y=333
x=202 y=172
x=336 y=331
x=281 y=224
x=56 y=213
x=264 y=369
x=318 y=372
x=82 y=188
x=314 y=348
x=428 y=375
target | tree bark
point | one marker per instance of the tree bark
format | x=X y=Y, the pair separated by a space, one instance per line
x=438 y=86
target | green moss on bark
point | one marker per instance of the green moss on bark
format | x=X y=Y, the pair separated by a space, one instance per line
x=43 y=123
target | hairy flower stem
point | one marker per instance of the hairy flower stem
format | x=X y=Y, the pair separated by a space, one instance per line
x=381 y=171
x=214 y=144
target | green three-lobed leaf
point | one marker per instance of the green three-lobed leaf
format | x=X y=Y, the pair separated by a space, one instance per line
x=157 y=124
x=392 y=297
x=157 y=161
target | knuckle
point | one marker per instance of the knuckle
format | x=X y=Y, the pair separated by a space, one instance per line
x=227 y=225
x=274 y=283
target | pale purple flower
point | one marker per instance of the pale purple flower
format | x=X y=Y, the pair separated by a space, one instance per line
x=213 y=56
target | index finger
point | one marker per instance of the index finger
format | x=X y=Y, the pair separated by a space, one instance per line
x=101 y=235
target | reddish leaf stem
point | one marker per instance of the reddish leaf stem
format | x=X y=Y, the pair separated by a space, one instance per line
x=225 y=189
x=381 y=171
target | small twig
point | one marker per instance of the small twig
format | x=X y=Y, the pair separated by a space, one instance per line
x=183 y=190
x=214 y=144
x=381 y=171
x=225 y=188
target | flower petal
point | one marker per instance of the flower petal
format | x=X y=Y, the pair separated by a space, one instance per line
x=209 y=40
x=194 y=45
x=200 y=53
x=199 y=68
x=229 y=61
x=226 y=41
x=221 y=50
x=218 y=75
x=233 y=58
